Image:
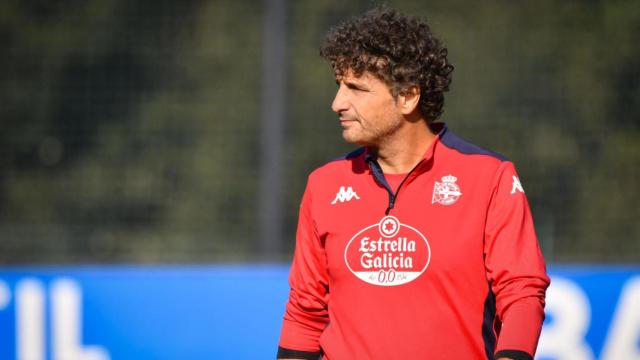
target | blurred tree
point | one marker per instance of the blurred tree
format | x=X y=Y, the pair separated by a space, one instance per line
x=130 y=128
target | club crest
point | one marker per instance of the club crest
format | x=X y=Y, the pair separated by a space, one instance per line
x=446 y=192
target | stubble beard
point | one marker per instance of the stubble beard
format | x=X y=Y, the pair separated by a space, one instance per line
x=371 y=137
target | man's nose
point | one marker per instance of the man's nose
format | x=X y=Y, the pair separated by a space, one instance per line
x=340 y=103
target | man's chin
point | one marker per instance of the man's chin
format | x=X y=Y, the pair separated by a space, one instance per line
x=353 y=139
x=349 y=137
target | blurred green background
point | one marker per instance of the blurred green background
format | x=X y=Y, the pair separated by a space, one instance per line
x=133 y=131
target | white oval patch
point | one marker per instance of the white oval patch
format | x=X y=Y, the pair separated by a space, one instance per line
x=388 y=253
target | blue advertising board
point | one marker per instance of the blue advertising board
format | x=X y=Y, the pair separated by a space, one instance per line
x=235 y=312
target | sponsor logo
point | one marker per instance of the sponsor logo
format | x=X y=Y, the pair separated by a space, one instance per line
x=446 y=192
x=516 y=186
x=388 y=253
x=345 y=195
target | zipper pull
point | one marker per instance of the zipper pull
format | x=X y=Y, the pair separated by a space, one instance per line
x=392 y=200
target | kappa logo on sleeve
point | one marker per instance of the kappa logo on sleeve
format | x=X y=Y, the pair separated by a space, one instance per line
x=345 y=194
x=516 y=185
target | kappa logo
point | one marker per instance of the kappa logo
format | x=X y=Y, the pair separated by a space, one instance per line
x=516 y=185
x=446 y=192
x=345 y=195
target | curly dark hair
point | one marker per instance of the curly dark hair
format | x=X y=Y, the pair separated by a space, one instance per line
x=399 y=50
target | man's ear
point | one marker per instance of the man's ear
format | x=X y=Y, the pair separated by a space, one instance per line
x=408 y=100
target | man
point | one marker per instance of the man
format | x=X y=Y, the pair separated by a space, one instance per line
x=418 y=245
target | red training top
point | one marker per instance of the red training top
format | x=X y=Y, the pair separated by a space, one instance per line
x=439 y=263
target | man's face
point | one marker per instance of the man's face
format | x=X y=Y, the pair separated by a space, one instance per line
x=367 y=110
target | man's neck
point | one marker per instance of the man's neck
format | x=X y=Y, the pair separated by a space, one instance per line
x=401 y=152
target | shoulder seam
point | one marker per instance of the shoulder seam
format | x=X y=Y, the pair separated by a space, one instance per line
x=350 y=155
x=467 y=148
x=347 y=157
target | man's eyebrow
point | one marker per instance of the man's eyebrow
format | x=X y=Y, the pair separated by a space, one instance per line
x=354 y=82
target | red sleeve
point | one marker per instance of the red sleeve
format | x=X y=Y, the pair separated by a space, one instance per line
x=306 y=313
x=515 y=267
